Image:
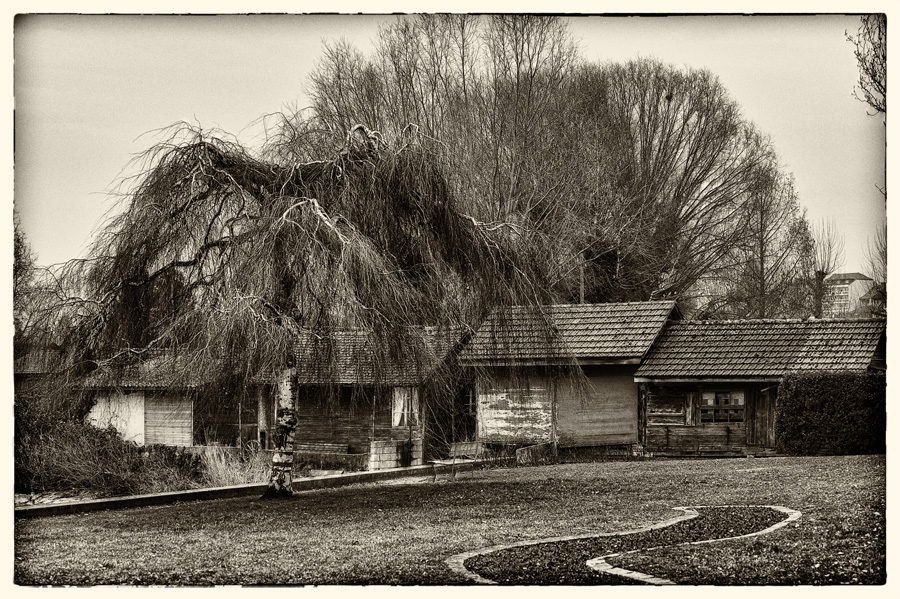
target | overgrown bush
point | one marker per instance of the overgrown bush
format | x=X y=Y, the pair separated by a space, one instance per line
x=827 y=413
x=73 y=456
x=55 y=450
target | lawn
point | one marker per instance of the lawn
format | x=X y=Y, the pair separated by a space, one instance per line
x=402 y=532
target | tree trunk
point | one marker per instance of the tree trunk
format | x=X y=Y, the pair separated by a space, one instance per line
x=819 y=293
x=286 y=426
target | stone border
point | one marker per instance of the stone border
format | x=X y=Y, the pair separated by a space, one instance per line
x=456 y=562
x=298 y=485
x=601 y=565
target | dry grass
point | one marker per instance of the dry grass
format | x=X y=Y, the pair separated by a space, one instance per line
x=223 y=467
x=401 y=534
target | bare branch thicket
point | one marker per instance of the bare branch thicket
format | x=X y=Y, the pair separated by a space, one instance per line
x=870 y=50
x=826 y=257
x=767 y=278
x=634 y=174
x=489 y=89
x=683 y=160
x=876 y=258
x=829 y=247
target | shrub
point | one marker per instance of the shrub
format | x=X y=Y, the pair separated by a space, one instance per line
x=75 y=456
x=55 y=450
x=827 y=413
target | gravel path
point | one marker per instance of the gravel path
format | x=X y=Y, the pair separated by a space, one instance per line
x=564 y=562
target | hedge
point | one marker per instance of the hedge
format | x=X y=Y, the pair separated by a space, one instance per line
x=831 y=413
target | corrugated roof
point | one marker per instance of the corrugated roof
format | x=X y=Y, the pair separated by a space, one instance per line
x=565 y=331
x=760 y=348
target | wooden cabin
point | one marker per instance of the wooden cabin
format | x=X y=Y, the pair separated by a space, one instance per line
x=709 y=388
x=563 y=374
x=354 y=411
x=149 y=403
x=351 y=401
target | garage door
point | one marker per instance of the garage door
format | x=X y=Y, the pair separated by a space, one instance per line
x=168 y=420
x=602 y=411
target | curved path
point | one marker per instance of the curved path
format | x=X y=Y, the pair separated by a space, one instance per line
x=601 y=565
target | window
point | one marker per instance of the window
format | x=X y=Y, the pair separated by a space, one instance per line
x=837 y=300
x=722 y=406
x=405 y=407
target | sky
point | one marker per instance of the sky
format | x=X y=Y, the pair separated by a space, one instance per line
x=93 y=92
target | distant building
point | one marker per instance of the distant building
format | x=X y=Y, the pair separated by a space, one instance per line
x=874 y=302
x=843 y=292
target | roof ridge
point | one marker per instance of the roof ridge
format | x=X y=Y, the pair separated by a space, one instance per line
x=570 y=305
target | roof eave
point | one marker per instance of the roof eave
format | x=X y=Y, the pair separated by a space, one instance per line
x=708 y=379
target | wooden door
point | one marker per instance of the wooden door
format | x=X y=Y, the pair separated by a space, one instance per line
x=761 y=417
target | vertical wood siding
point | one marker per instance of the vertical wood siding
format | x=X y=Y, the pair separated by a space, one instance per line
x=168 y=419
x=601 y=410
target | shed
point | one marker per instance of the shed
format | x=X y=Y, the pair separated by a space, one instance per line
x=148 y=402
x=348 y=401
x=710 y=387
x=355 y=400
x=563 y=374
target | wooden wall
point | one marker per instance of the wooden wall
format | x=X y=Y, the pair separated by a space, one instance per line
x=540 y=405
x=602 y=409
x=514 y=409
x=348 y=416
x=168 y=419
x=679 y=419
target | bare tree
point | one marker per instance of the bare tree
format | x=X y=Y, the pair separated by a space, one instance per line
x=769 y=260
x=632 y=175
x=684 y=163
x=827 y=258
x=871 y=57
x=876 y=256
x=23 y=273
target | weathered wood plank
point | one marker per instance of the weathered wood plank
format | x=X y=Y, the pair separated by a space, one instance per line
x=514 y=411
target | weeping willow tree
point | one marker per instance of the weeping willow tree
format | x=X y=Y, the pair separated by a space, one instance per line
x=222 y=260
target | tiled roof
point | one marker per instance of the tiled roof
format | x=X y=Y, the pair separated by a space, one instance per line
x=348 y=357
x=37 y=361
x=163 y=370
x=877 y=292
x=760 y=348
x=565 y=331
x=848 y=276
x=341 y=358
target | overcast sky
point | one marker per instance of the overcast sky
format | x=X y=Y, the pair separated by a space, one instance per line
x=91 y=90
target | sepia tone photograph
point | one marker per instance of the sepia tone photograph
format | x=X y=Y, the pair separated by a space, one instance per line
x=449 y=298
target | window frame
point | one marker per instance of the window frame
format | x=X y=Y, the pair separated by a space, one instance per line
x=734 y=412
